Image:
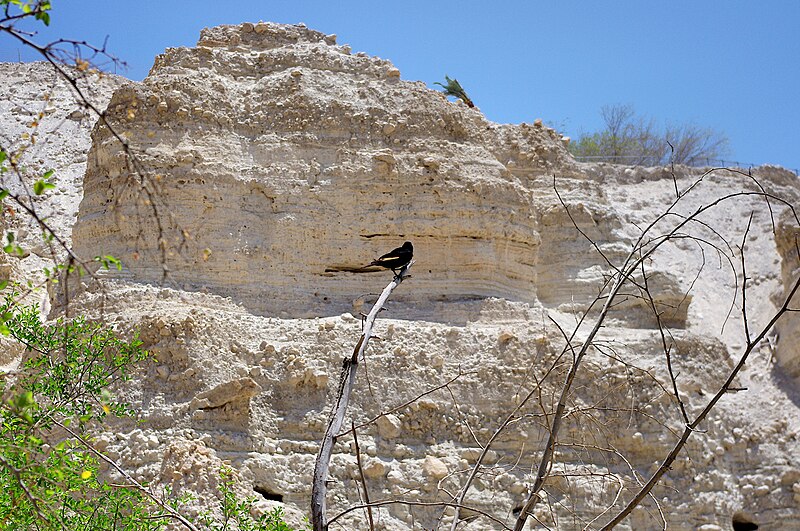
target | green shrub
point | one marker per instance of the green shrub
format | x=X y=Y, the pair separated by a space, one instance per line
x=48 y=476
x=50 y=409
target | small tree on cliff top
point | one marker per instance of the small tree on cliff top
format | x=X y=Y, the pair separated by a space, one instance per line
x=628 y=138
x=454 y=88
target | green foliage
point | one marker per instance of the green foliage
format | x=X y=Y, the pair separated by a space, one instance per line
x=40 y=9
x=43 y=184
x=74 y=362
x=12 y=248
x=107 y=261
x=236 y=513
x=51 y=477
x=52 y=275
x=48 y=479
x=630 y=139
x=64 y=391
x=454 y=88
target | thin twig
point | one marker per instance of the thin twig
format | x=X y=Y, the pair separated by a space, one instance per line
x=357 y=450
x=408 y=402
x=22 y=485
x=666 y=348
x=745 y=279
x=381 y=503
x=347 y=381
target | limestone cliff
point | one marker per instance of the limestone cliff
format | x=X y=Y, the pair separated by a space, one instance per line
x=278 y=160
x=284 y=156
x=43 y=127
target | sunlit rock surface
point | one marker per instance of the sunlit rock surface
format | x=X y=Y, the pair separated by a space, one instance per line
x=275 y=161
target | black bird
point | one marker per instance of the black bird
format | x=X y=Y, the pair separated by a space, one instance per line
x=396 y=259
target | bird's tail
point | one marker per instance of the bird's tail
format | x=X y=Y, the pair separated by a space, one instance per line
x=369 y=268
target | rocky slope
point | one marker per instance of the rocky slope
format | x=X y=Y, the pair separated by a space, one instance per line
x=276 y=161
x=43 y=126
x=316 y=159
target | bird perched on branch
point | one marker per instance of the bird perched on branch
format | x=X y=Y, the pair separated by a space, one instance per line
x=396 y=259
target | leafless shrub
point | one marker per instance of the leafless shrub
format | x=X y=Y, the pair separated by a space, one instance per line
x=628 y=138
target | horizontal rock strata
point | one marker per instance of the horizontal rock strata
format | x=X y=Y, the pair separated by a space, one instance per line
x=270 y=162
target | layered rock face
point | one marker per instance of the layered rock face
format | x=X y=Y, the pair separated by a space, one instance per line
x=282 y=156
x=274 y=161
x=44 y=126
x=786 y=339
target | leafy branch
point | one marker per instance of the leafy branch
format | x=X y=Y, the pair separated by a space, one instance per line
x=454 y=88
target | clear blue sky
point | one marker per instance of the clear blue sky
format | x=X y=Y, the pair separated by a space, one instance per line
x=731 y=65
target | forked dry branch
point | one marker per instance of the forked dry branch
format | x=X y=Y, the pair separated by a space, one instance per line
x=347 y=381
x=691 y=427
x=668 y=226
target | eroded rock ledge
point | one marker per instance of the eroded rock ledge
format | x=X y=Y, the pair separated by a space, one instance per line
x=281 y=155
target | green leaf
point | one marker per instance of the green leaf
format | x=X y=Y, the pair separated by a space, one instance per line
x=3 y=193
x=108 y=260
x=24 y=400
x=40 y=186
x=48 y=174
x=44 y=17
x=3 y=285
x=12 y=248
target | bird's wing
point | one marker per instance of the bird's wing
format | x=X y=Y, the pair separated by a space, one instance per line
x=391 y=255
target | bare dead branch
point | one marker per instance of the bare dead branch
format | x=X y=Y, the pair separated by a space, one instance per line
x=546 y=460
x=690 y=428
x=346 y=383
x=361 y=476
x=745 y=279
x=642 y=250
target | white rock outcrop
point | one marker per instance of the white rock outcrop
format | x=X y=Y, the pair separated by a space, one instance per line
x=278 y=161
x=43 y=128
x=284 y=158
